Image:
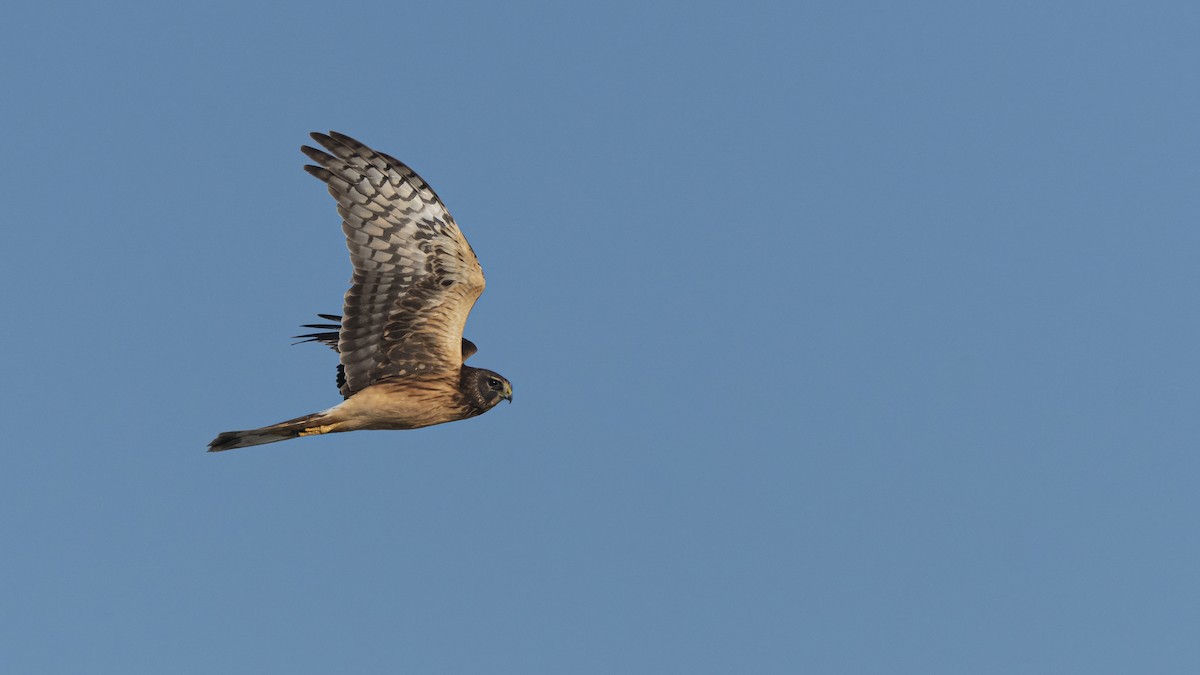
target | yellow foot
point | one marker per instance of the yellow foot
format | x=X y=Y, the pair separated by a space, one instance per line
x=313 y=431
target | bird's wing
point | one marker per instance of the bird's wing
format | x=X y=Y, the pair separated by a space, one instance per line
x=330 y=332
x=328 y=335
x=415 y=276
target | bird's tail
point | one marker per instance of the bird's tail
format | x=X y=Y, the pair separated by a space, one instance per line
x=308 y=425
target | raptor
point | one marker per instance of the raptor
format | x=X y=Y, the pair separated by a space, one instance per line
x=400 y=335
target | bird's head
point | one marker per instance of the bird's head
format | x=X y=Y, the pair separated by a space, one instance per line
x=487 y=388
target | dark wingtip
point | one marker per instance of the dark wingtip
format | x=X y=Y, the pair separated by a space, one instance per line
x=317 y=155
x=325 y=175
x=345 y=140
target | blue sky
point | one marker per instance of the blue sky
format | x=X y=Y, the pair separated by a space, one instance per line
x=846 y=337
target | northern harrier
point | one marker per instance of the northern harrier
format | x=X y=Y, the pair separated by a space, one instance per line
x=400 y=335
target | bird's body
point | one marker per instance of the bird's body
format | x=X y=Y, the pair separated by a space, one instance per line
x=400 y=337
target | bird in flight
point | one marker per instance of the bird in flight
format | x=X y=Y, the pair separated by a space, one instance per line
x=399 y=338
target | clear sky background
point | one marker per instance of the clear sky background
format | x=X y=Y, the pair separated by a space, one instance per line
x=846 y=337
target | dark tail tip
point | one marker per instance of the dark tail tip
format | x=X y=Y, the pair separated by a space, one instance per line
x=227 y=440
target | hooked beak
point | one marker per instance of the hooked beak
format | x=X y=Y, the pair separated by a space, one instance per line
x=507 y=393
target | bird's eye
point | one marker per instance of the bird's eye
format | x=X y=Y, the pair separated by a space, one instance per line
x=493 y=383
